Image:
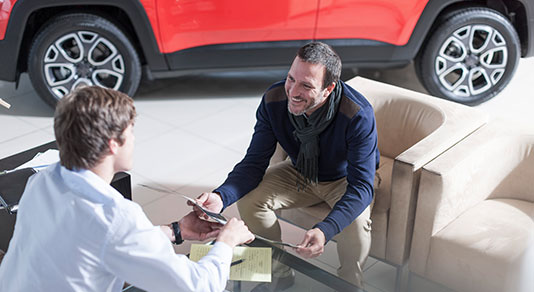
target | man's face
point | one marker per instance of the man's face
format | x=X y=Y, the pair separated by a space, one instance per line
x=304 y=87
x=124 y=158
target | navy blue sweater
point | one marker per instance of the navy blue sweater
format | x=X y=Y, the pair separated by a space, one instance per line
x=348 y=148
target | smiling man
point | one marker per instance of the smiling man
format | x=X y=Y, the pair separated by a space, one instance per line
x=328 y=130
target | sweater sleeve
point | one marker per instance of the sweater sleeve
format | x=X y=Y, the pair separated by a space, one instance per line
x=248 y=173
x=361 y=156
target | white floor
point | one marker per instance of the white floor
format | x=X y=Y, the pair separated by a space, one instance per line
x=192 y=130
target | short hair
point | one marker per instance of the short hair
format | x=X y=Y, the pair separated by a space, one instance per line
x=321 y=53
x=84 y=122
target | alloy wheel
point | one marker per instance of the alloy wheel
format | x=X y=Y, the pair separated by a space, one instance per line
x=82 y=57
x=472 y=60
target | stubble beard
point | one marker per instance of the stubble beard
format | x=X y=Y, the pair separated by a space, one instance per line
x=308 y=107
x=299 y=113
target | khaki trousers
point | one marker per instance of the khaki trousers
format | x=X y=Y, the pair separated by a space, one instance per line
x=278 y=190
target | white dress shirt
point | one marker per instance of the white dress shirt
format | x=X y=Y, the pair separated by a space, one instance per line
x=74 y=232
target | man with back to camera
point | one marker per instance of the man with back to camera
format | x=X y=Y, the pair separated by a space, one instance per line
x=328 y=130
x=74 y=232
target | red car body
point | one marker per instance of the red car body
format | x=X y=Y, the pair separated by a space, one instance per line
x=190 y=24
x=174 y=26
x=178 y=37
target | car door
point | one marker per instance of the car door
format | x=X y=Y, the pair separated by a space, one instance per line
x=389 y=21
x=185 y=24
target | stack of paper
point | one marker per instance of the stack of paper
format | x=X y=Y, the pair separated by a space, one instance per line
x=42 y=160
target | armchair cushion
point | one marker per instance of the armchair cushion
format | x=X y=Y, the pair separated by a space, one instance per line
x=401 y=123
x=482 y=249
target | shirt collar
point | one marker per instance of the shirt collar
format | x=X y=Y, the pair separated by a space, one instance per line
x=87 y=183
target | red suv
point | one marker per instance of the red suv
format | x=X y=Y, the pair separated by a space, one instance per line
x=464 y=50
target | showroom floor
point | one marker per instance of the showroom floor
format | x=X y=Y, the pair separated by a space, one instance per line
x=191 y=131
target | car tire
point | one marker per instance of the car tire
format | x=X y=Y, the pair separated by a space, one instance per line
x=75 y=49
x=470 y=56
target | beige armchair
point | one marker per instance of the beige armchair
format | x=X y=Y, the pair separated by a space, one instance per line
x=475 y=212
x=413 y=129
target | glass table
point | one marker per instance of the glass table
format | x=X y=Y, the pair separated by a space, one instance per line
x=309 y=277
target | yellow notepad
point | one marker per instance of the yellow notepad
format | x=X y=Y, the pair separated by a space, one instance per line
x=256 y=265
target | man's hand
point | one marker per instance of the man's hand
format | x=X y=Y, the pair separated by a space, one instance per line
x=194 y=228
x=210 y=201
x=235 y=232
x=313 y=244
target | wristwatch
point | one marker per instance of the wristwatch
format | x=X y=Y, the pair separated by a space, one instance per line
x=177 y=234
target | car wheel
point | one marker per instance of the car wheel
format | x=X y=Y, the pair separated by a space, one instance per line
x=470 y=57
x=82 y=49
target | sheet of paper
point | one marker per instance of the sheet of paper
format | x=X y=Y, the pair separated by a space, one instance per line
x=42 y=160
x=276 y=242
x=256 y=265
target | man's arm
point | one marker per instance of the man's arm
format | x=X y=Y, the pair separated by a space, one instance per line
x=362 y=148
x=192 y=228
x=142 y=255
x=248 y=173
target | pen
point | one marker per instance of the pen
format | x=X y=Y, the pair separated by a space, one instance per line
x=237 y=262
x=4 y=104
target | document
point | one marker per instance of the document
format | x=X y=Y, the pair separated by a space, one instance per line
x=39 y=162
x=251 y=263
x=42 y=160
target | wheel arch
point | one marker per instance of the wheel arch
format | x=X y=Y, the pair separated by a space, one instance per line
x=31 y=15
x=426 y=58
x=514 y=10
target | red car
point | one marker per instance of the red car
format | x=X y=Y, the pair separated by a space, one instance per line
x=464 y=50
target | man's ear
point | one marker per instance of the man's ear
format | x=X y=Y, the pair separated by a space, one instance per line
x=113 y=146
x=330 y=88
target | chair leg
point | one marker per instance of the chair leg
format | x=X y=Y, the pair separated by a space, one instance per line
x=402 y=278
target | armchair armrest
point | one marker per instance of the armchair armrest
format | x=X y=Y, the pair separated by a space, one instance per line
x=465 y=175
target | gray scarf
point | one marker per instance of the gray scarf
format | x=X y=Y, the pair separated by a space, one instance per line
x=307 y=132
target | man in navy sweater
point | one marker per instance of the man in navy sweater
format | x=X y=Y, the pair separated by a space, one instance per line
x=328 y=131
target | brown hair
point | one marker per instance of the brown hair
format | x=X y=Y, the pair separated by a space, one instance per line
x=84 y=122
x=321 y=53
